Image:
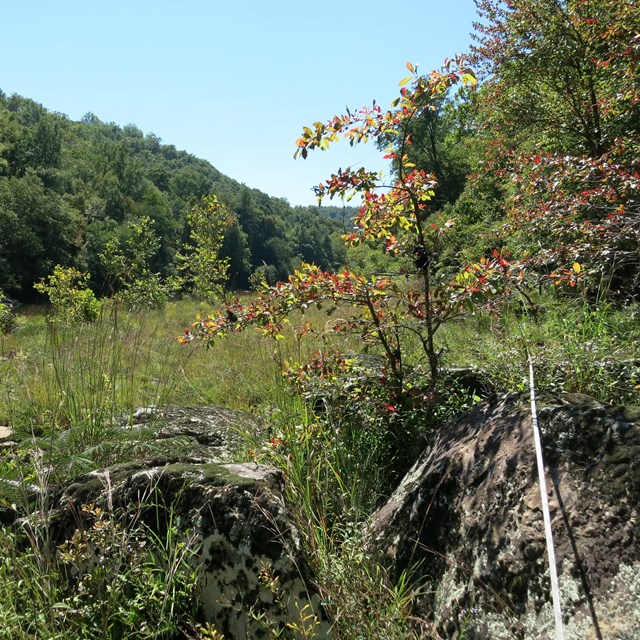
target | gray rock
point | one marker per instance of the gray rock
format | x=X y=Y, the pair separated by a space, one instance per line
x=468 y=518
x=235 y=512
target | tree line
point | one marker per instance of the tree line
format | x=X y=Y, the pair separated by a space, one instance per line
x=540 y=161
x=70 y=188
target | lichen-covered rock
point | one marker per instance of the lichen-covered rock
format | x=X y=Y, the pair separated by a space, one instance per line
x=211 y=432
x=234 y=510
x=468 y=515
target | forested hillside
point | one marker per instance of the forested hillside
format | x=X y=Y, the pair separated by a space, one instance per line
x=67 y=188
x=557 y=105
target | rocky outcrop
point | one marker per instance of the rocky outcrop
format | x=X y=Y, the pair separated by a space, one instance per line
x=235 y=512
x=467 y=520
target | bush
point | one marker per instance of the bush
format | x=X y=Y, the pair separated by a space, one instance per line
x=114 y=578
x=72 y=300
x=7 y=317
x=265 y=274
x=148 y=292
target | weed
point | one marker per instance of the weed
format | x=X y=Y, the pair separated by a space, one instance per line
x=114 y=577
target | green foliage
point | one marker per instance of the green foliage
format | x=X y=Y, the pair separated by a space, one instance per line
x=38 y=229
x=555 y=132
x=235 y=249
x=148 y=292
x=124 y=580
x=8 y=320
x=348 y=394
x=330 y=490
x=128 y=264
x=263 y=276
x=68 y=188
x=71 y=299
x=205 y=270
x=73 y=385
x=113 y=578
x=576 y=348
x=437 y=146
x=303 y=626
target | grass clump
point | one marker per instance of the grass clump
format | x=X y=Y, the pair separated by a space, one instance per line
x=113 y=578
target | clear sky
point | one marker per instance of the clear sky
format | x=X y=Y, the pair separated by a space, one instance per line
x=230 y=81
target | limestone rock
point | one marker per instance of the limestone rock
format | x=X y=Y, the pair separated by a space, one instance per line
x=212 y=433
x=468 y=514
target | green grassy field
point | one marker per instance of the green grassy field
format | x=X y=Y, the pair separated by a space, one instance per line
x=67 y=385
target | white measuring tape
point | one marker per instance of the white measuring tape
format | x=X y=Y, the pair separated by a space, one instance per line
x=551 y=554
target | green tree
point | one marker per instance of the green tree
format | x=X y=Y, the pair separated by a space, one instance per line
x=560 y=75
x=128 y=263
x=267 y=234
x=45 y=143
x=38 y=229
x=235 y=248
x=71 y=299
x=205 y=270
x=438 y=146
x=101 y=176
x=154 y=204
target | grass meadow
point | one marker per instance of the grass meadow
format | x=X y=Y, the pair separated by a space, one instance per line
x=62 y=389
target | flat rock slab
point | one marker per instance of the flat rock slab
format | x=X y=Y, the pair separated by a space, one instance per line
x=5 y=433
x=216 y=428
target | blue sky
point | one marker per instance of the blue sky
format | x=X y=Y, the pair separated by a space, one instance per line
x=233 y=82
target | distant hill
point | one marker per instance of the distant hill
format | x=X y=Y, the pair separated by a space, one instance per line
x=68 y=187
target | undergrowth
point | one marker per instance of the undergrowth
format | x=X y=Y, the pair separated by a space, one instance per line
x=114 y=577
x=576 y=348
x=67 y=390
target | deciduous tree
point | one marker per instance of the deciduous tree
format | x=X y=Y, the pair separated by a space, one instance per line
x=560 y=75
x=206 y=270
x=384 y=311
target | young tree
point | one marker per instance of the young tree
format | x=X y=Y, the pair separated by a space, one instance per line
x=128 y=262
x=71 y=299
x=205 y=270
x=388 y=312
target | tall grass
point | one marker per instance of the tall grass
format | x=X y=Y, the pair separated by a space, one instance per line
x=576 y=348
x=63 y=375
x=66 y=390
x=114 y=578
x=330 y=491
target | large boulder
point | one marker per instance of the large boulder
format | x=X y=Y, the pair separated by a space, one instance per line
x=467 y=521
x=235 y=512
